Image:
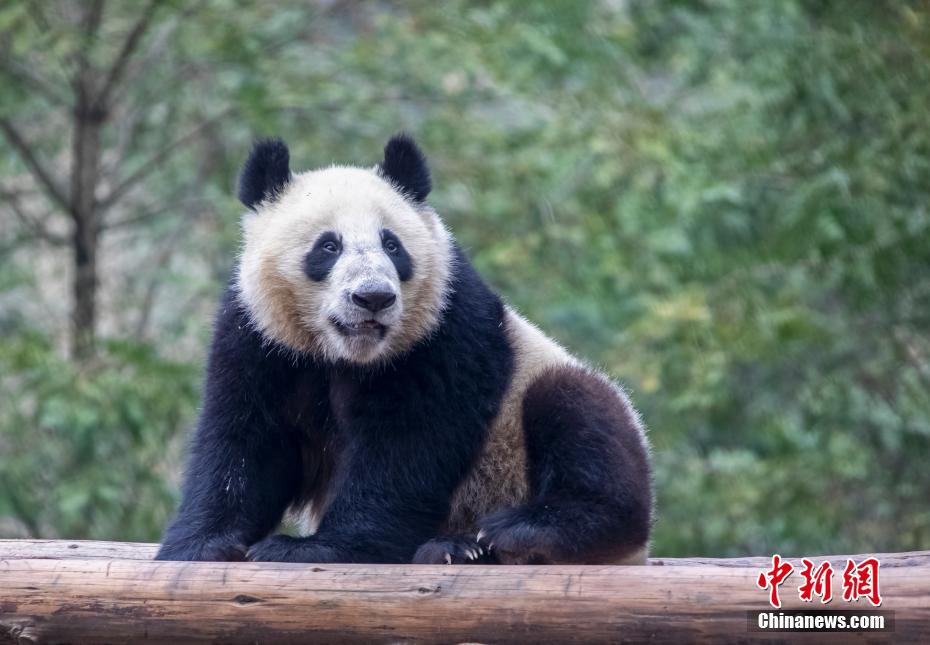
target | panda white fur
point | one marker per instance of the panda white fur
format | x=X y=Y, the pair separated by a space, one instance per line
x=363 y=375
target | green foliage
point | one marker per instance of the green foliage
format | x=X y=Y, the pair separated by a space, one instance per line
x=723 y=203
x=90 y=451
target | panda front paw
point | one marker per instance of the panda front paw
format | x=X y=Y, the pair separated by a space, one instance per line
x=452 y=550
x=513 y=538
x=216 y=549
x=284 y=548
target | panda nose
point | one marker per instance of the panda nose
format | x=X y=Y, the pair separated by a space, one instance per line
x=374 y=301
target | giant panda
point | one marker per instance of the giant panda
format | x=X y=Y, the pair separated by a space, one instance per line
x=363 y=376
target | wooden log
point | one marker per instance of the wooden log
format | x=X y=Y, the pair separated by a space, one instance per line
x=75 y=550
x=96 y=550
x=48 y=596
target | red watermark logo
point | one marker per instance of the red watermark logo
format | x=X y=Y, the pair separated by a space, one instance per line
x=859 y=581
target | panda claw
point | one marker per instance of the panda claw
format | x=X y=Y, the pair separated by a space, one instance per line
x=448 y=558
x=480 y=535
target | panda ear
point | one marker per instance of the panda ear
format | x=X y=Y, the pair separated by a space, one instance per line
x=405 y=166
x=266 y=172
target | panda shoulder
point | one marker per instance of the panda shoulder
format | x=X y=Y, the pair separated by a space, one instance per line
x=539 y=357
x=534 y=351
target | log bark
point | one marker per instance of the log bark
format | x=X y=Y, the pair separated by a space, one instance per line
x=112 y=593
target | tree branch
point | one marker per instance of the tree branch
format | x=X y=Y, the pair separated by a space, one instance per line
x=131 y=44
x=90 y=19
x=161 y=42
x=162 y=259
x=31 y=80
x=35 y=225
x=148 y=214
x=147 y=166
x=39 y=172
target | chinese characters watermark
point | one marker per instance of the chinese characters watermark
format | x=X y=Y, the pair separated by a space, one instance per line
x=859 y=581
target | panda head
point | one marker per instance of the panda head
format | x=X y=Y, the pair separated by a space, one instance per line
x=343 y=263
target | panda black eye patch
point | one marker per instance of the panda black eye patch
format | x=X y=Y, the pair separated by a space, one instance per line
x=322 y=257
x=395 y=250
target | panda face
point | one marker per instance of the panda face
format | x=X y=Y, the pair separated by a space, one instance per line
x=343 y=266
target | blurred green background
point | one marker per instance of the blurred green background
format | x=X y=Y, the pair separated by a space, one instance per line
x=721 y=202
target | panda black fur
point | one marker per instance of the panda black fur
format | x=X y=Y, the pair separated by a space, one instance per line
x=363 y=375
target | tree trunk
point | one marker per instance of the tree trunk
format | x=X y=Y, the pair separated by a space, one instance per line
x=84 y=288
x=85 y=174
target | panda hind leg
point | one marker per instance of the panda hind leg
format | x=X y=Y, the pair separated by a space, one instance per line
x=590 y=478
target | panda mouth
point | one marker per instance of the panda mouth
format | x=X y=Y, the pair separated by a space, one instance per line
x=363 y=329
